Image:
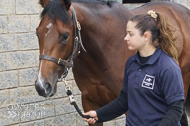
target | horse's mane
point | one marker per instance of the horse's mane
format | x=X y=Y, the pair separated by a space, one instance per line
x=55 y=8
x=103 y=2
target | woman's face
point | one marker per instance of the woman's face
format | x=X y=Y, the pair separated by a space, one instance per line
x=135 y=40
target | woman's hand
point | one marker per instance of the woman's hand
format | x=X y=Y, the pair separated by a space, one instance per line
x=92 y=114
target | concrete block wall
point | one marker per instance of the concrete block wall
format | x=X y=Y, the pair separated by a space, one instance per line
x=183 y=2
x=20 y=104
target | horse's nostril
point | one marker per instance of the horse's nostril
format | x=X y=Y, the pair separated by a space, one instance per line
x=48 y=88
x=43 y=89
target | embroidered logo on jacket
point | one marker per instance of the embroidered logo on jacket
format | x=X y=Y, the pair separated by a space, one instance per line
x=148 y=82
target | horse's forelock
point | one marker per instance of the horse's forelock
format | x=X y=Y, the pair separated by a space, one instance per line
x=54 y=9
x=67 y=3
x=43 y=3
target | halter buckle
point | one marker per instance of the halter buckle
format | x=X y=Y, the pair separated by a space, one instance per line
x=78 y=26
x=77 y=39
x=59 y=61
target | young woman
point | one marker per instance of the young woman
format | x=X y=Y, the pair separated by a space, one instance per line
x=152 y=91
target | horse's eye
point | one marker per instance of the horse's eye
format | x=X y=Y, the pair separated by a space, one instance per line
x=64 y=37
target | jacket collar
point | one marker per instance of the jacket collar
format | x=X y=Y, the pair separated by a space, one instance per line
x=152 y=59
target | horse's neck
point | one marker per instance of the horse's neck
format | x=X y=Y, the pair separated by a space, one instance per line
x=100 y=25
x=92 y=26
x=102 y=33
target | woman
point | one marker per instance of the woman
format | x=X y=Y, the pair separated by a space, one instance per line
x=152 y=91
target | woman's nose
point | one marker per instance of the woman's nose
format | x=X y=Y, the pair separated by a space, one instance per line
x=126 y=37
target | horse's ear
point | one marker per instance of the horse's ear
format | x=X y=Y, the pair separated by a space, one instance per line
x=67 y=3
x=43 y=3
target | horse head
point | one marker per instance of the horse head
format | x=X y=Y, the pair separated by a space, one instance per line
x=56 y=34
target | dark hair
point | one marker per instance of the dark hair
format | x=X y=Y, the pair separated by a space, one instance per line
x=160 y=29
x=55 y=8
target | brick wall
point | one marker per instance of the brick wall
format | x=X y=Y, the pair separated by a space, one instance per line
x=20 y=104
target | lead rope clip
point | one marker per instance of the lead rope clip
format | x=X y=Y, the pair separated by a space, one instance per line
x=72 y=101
x=68 y=91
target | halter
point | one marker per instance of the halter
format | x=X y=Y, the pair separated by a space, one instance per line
x=77 y=43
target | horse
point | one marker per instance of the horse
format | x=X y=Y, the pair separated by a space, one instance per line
x=89 y=37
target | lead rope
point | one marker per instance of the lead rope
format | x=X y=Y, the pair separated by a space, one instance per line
x=72 y=101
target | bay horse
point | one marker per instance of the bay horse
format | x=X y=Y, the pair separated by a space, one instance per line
x=99 y=67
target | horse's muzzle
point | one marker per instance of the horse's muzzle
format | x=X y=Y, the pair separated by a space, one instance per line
x=44 y=89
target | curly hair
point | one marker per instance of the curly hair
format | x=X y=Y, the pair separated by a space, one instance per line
x=160 y=30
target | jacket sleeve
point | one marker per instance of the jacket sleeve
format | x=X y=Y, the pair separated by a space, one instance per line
x=173 y=115
x=113 y=109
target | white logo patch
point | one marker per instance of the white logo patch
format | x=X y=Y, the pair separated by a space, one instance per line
x=148 y=82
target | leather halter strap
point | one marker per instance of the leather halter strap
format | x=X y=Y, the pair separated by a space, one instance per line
x=58 y=61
